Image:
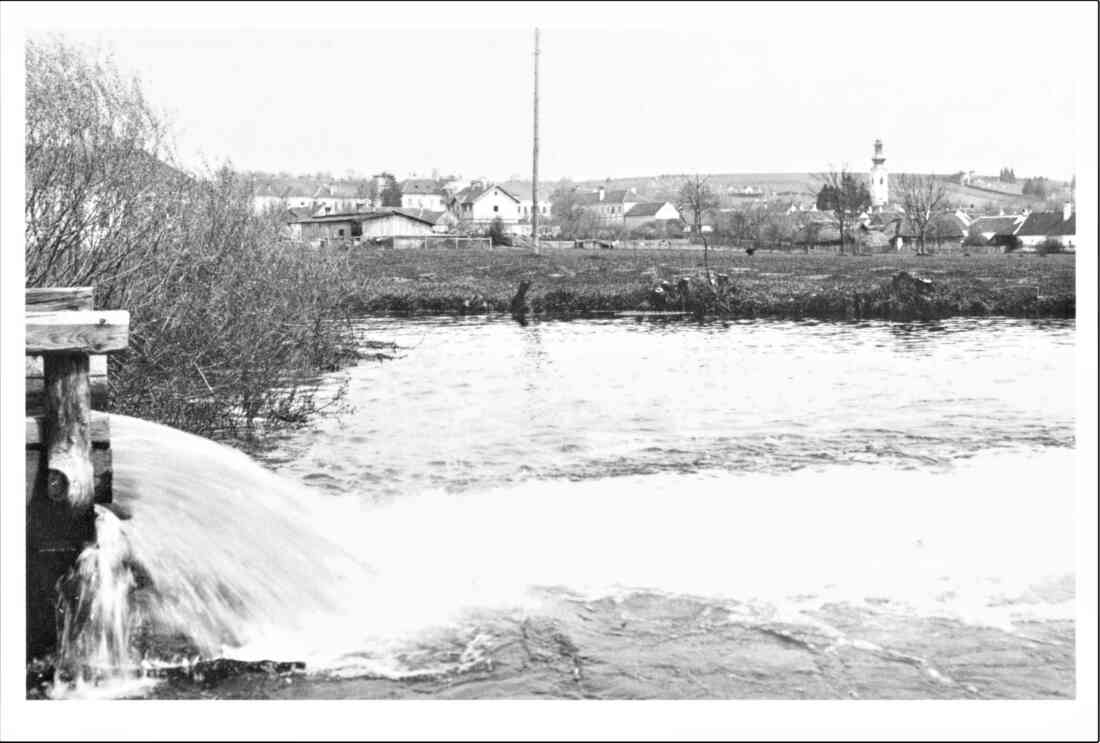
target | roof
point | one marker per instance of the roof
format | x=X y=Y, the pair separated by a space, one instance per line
x=299 y=213
x=1000 y=225
x=617 y=196
x=336 y=191
x=473 y=193
x=1040 y=224
x=427 y=215
x=367 y=216
x=646 y=209
x=421 y=186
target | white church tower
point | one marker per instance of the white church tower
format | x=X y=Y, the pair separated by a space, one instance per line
x=880 y=179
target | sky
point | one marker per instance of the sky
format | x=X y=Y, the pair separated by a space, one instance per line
x=736 y=88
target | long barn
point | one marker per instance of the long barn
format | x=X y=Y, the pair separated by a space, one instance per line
x=382 y=223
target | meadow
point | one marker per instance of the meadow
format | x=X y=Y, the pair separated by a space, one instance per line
x=781 y=285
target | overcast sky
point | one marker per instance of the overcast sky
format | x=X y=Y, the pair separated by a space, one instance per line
x=719 y=88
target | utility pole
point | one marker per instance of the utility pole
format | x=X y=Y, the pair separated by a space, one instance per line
x=535 y=157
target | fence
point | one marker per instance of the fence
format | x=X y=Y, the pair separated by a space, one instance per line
x=442 y=242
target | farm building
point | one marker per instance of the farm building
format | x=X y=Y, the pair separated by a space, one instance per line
x=997 y=230
x=1042 y=226
x=650 y=211
x=382 y=223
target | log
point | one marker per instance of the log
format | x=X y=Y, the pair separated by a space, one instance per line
x=57 y=299
x=77 y=331
x=101 y=430
x=68 y=428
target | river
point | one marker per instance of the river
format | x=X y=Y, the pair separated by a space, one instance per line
x=635 y=508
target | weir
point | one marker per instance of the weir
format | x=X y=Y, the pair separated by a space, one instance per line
x=68 y=443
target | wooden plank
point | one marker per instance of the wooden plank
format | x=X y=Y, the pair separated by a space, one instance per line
x=77 y=331
x=67 y=427
x=55 y=299
x=101 y=430
x=97 y=365
x=33 y=397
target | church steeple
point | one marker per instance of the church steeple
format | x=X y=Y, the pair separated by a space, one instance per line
x=880 y=178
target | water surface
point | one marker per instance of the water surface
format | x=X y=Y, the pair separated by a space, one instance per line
x=630 y=508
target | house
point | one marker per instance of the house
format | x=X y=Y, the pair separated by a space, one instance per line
x=943 y=230
x=1042 y=226
x=609 y=207
x=338 y=198
x=361 y=226
x=480 y=203
x=998 y=230
x=423 y=193
x=294 y=218
x=269 y=196
x=650 y=211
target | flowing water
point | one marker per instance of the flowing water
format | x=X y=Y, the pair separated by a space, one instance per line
x=619 y=509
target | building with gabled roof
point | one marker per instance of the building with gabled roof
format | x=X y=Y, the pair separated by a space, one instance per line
x=650 y=211
x=1042 y=226
x=480 y=203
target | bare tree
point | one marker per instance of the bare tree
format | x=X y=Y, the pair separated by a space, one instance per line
x=845 y=195
x=922 y=197
x=696 y=200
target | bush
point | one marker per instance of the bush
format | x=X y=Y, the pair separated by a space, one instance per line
x=230 y=324
x=1050 y=245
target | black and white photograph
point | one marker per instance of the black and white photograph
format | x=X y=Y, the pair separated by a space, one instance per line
x=530 y=371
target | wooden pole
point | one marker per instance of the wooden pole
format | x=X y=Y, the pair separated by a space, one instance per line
x=535 y=157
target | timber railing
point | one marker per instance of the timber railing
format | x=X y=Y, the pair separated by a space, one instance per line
x=68 y=444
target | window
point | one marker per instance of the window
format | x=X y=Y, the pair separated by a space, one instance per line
x=340 y=232
x=496 y=208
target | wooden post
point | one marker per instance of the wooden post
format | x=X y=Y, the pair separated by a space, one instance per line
x=68 y=446
x=68 y=423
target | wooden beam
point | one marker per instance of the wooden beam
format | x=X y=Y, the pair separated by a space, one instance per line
x=56 y=299
x=100 y=431
x=68 y=426
x=77 y=331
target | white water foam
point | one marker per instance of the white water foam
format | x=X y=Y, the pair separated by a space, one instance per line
x=254 y=566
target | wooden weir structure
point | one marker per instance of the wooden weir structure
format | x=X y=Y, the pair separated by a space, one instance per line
x=68 y=439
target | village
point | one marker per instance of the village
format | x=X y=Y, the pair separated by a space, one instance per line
x=959 y=213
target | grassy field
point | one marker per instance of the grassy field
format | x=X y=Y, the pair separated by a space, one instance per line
x=570 y=281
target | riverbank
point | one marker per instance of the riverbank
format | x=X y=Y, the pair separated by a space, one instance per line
x=770 y=285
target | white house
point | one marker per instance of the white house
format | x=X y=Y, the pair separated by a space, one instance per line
x=650 y=211
x=479 y=204
x=423 y=193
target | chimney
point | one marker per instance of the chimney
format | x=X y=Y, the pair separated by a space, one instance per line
x=1067 y=211
x=600 y=193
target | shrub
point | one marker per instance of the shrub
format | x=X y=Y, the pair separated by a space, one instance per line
x=230 y=324
x=1050 y=245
